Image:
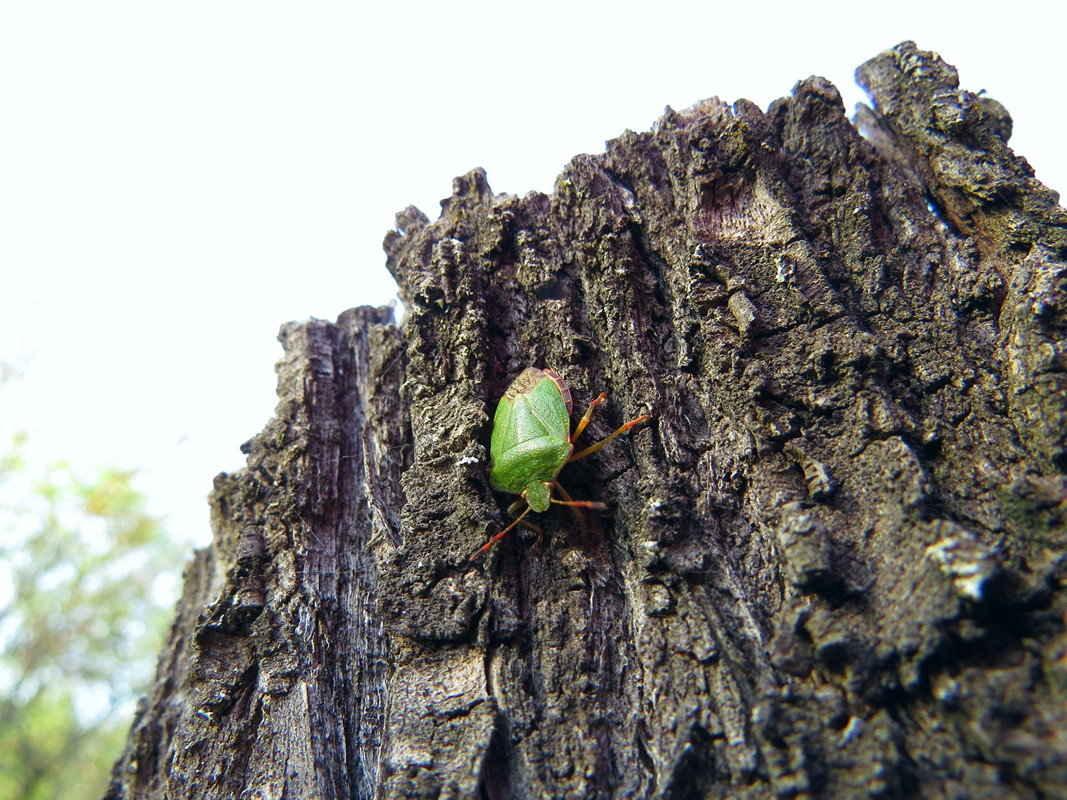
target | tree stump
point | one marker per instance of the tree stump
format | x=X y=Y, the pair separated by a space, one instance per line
x=834 y=559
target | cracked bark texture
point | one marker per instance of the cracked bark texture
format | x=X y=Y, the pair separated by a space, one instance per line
x=833 y=565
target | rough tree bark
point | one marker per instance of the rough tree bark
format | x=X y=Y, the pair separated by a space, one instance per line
x=833 y=564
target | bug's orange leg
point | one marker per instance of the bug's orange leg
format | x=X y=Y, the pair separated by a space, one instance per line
x=514 y=510
x=574 y=510
x=540 y=532
x=575 y=505
x=582 y=504
x=588 y=415
x=482 y=550
x=593 y=448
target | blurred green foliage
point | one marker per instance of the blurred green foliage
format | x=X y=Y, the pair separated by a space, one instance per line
x=88 y=580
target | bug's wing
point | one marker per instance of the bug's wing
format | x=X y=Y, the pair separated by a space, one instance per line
x=547 y=413
x=536 y=413
x=530 y=440
x=515 y=423
x=534 y=461
x=504 y=435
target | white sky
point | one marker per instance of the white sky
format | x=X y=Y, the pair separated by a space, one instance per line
x=178 y=179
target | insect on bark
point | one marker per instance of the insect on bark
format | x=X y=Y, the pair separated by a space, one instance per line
x=532 y=441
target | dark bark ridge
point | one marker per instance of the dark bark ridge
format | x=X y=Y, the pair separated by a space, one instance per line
x=834 y=561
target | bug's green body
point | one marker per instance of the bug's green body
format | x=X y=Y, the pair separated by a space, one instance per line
x=531 y=437
x=531 y=442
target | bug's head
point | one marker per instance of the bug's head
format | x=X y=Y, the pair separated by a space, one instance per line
x=539 y=495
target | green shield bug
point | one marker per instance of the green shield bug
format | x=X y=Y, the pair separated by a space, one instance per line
x=531 y=442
